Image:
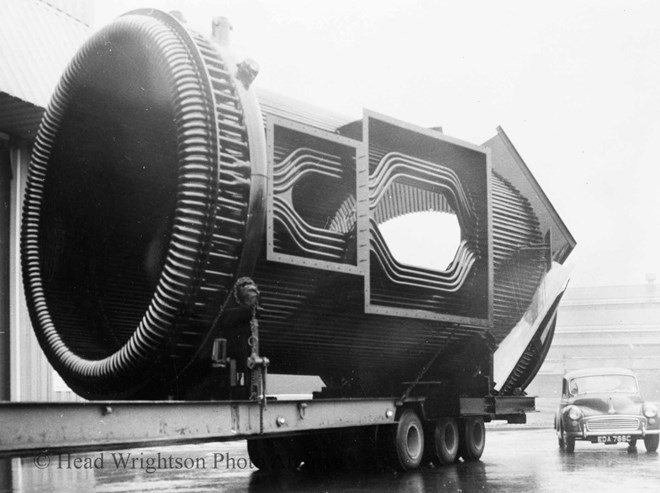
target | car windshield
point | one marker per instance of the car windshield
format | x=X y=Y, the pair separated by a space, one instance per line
x=603 y=383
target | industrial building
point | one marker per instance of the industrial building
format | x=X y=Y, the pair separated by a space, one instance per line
x=606 y=326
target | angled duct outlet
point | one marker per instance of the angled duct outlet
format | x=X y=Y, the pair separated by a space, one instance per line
x=528 y=234
x=509 y=166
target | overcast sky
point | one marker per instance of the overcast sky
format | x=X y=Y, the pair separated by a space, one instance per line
x=576 y=86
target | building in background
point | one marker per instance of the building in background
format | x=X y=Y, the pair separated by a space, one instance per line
x=606 y=326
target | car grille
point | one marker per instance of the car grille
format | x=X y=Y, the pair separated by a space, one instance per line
x=613 y=423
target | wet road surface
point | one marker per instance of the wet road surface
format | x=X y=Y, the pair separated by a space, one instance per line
x=515 y=460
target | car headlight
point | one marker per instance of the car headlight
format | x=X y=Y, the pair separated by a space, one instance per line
x=650 y=410
x=574 y=413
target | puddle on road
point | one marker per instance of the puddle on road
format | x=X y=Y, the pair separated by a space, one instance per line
x=514 y=461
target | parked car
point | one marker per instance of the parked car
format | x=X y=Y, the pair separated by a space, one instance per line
x=603 y=405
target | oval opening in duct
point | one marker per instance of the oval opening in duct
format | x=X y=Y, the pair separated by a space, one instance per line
x=318 y=209
x=424 y=239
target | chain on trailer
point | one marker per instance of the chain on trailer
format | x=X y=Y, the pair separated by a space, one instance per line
x=245 y=293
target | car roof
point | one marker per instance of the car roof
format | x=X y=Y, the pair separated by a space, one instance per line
x=586 y=372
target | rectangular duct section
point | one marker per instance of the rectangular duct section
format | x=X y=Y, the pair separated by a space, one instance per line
x=411 y=171
x=311 y=219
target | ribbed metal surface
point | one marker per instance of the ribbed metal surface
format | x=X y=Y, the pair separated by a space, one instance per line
x=610 y=423
x=533 y=356
x=509 y=165
x=390 y=204
x=315 y=235
x=305 y=330
x=307 y=114
x=518 y=256
x=111 y=295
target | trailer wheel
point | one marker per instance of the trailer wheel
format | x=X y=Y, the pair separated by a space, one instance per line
x=651 y=442
x=405 y=443
x=472 y=439
x=442 y=443
x=258 y=452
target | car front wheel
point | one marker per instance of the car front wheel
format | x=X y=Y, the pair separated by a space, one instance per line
x=566 y=443
x=651 y=442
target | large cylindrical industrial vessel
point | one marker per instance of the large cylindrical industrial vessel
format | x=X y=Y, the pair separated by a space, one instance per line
x=159 y=180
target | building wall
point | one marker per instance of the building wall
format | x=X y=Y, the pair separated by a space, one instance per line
x=81 y=10
x=5 y=239
x=32 y=377
x=606 y=326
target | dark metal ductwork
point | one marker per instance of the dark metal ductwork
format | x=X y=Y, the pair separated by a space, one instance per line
x=157 y=183
x=139 y=201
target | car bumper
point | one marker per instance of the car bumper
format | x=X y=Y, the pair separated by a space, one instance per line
x=633 y=426
x=614 y=432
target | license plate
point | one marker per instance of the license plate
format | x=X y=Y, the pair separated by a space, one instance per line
x=614 y=439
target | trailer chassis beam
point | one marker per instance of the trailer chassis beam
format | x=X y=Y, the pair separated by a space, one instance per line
x=26 y=427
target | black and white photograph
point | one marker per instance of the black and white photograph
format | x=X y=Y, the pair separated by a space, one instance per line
x=392 y=246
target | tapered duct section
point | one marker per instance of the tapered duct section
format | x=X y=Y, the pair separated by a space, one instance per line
x=136 y=207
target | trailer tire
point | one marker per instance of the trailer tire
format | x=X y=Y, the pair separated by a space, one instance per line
x=258 y=453
x=405 y=443
x=472 y=439
x=442 y=442
x=275 y=454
